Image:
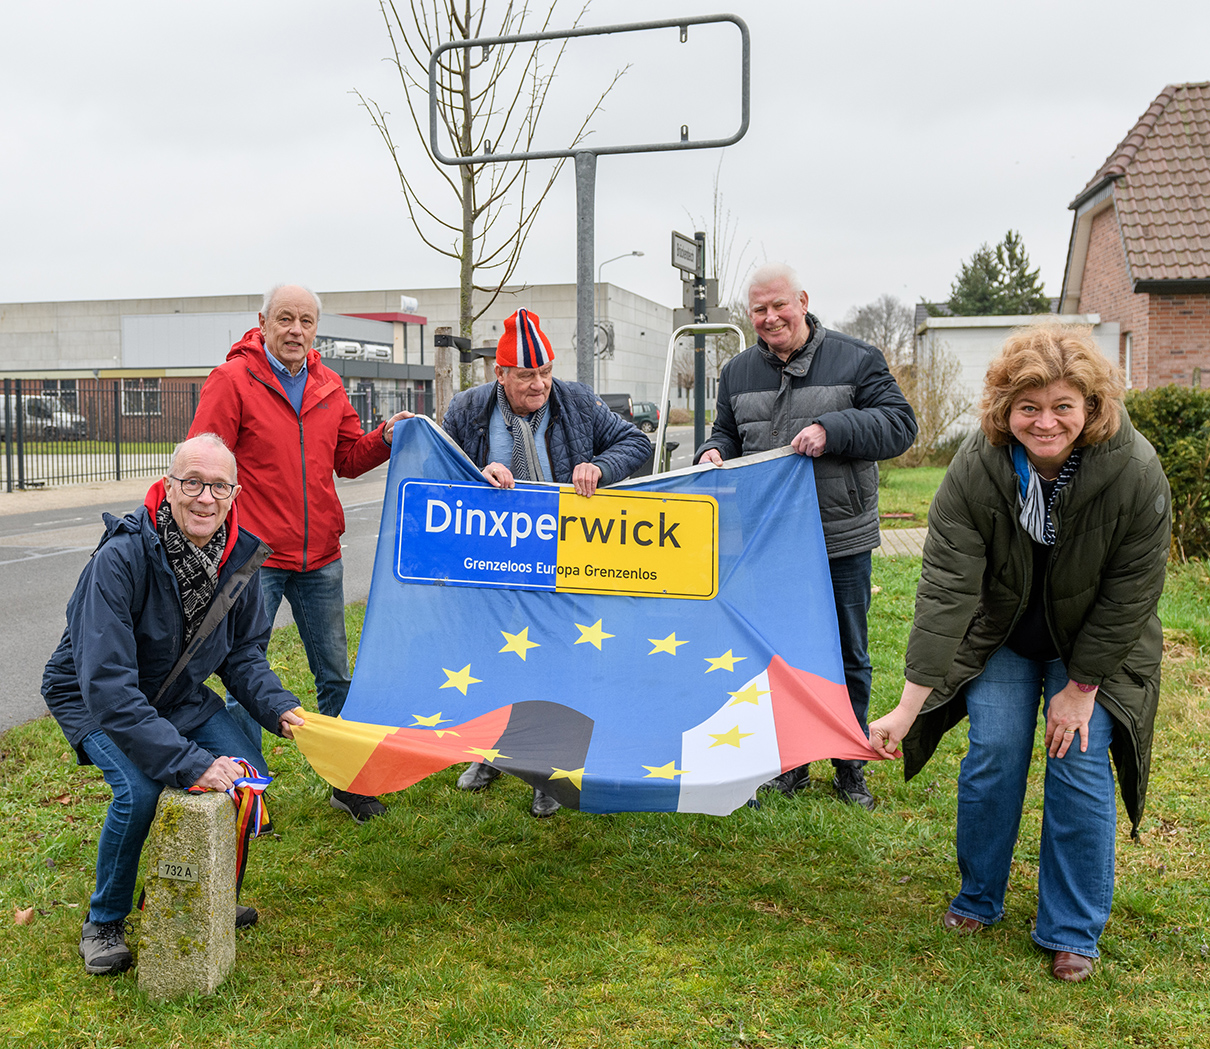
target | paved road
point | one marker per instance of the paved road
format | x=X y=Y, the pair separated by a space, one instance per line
x=42 y=552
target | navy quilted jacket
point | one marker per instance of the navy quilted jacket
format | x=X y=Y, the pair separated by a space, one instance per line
x=581 y=430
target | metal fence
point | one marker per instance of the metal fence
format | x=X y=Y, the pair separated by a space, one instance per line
x=374 y=404
x=68 y=431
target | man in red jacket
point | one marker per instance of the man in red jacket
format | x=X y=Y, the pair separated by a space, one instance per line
x=289 y=422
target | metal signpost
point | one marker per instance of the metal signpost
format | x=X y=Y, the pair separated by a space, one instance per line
x=700 y=302
x=586 y=156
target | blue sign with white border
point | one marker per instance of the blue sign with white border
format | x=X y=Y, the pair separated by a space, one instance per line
x=461 y=534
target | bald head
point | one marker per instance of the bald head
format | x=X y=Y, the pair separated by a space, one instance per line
x=212 y=441
x=202 y=463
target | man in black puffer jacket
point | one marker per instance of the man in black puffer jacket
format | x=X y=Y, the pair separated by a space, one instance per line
x=531 y=426
x=831 y=397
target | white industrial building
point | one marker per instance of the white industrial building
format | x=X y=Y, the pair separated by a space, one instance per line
x=380 y=341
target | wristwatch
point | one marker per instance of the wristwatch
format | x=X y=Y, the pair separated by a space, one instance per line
x=1086 y=688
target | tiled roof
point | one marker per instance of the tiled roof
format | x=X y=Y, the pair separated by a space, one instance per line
x=1161 y=175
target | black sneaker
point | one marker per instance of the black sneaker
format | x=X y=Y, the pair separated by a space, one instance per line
x=361 y=807
x=849 y=784
x=103 y=947
x=245 y=917
x=790 y=783
x=478 y=775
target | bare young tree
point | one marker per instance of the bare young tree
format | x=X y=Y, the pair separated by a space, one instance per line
x=728 y=267
x=886 y=323
x=500 y=111
x=930 y=384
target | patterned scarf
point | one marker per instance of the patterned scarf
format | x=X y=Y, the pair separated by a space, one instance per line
x=195 y=567
x=1035 y=507
x=526 y=465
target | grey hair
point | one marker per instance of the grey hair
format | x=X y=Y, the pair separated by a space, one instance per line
x=770 y=272
x=271 y=294
x=212 y=439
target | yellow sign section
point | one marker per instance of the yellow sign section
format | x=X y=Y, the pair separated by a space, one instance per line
x=638 y=543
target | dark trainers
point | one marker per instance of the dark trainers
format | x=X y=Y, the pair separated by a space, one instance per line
x=849 y=784
x=543 y=805
x=245 y=916
x=477 y=776
x=790 y=783
x=103 y=947
x=361 y=807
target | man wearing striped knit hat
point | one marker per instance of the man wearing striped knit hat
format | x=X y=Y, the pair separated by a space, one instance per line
x=530 y=426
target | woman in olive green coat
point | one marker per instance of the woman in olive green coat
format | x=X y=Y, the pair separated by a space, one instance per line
x=1043 y=567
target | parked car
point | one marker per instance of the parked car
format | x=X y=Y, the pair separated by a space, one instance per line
x=646 y=416
x=43 y=419
x=619 y=404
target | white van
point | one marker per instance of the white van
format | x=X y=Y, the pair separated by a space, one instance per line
x=43 y=419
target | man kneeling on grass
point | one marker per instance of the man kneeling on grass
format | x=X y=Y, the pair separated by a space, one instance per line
x=170 y=596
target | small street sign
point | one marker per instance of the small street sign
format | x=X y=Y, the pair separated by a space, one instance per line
x=685 y=254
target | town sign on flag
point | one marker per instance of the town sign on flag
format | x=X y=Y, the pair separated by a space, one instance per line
x=675 y=671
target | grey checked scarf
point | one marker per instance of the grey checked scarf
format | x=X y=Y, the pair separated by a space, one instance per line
x=525 y=466
x=195 y=567
x=1035 y=507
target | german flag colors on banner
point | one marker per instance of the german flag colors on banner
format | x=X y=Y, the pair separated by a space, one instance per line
x=667 y=645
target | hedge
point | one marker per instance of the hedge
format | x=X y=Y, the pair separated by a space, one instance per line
x=1176 y=420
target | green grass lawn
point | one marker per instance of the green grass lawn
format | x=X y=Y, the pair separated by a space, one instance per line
x=457 y=920
x=907 y=491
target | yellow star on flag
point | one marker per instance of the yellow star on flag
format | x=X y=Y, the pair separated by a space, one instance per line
x=519 y=643
x=429 y=721
x=460 y=679
x=594 y=635
x=726 y=661
x=441 y=733
x=751 y=694
x=731 y=738
x=575 y=775
x=669 y=771
x=668 y=644
x=486 y=753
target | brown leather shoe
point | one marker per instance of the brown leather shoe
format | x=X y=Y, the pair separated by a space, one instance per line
x=1072 y=967
x=956 y=923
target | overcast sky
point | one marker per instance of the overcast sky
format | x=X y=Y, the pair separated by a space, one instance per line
x=152 y=149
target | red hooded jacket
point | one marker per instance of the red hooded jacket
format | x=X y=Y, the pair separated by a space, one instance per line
x=288 y=496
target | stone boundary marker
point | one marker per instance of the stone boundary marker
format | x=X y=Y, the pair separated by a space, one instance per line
x=187 y=932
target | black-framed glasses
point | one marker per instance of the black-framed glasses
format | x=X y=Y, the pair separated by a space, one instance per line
x=192 y=487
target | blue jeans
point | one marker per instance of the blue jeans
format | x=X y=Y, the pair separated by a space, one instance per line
x=317 y=600
x=133 y=808
x=1079 y=807
x=851 y=590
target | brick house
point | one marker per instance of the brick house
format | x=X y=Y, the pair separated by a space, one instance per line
x=1140 y=243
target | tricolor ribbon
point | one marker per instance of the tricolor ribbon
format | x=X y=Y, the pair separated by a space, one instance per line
x=246 y=793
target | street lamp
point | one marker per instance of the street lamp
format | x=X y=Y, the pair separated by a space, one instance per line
x=597 y=305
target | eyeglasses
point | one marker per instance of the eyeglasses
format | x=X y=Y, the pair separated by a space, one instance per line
x=192 y=487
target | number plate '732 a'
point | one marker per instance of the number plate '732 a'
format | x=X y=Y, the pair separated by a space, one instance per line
x=178 y=871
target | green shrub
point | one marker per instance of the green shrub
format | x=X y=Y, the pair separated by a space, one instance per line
x=1176 y=420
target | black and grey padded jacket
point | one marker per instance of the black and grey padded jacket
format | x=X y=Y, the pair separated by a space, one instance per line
x=844 y=385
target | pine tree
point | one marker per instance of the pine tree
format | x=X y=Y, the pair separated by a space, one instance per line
x=998 y=282
x=1022 y=289
x=976 y=290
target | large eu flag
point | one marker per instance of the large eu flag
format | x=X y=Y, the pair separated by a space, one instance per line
x=606 y=700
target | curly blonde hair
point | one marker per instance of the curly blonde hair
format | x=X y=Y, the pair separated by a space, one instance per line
x=1038 y=355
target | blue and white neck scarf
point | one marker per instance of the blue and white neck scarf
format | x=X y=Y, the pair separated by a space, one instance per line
x=1035 y=507
x=525 y=464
